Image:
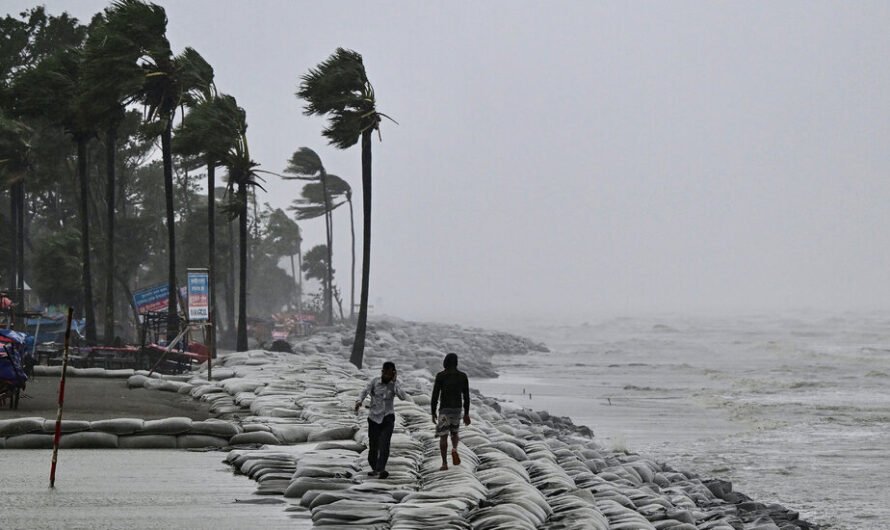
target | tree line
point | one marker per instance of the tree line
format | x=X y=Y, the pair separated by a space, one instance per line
x=85 y=110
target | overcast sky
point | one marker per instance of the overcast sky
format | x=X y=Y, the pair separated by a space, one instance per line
x=574 y=159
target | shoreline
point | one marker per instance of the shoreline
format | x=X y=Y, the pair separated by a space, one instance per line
x=558 y=471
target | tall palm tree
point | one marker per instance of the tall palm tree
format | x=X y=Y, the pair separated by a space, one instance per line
x=210 y=129
x=14 y=164
x=113 y=79
x=339 y=89
x=54 y=90
x=312 y=204
x=305 y=164
x=243 y=175
x=169 y=82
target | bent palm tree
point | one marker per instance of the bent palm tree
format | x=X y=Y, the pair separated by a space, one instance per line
x=209 y=131
x=339 y=89
x=313 y=204
x=112 y=78
x=243 y=174
x=169 y=81
x=305 y=164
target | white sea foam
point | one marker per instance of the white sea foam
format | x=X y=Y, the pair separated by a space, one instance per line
x=793 y=410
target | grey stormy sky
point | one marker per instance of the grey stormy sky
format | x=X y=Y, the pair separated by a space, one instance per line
x=571 y=159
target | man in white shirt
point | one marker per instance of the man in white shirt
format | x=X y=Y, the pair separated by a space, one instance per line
x=381 y=416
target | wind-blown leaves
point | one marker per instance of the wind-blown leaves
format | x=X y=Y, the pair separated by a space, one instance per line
x=339 y=87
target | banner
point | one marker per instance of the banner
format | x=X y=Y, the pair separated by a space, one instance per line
x=198 y=295
x=152 y=298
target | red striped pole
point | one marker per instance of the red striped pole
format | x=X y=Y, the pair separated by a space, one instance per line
x=58 y=435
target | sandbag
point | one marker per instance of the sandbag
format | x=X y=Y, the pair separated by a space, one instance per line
x=14 y=426
x=213 y=427
x=256 y=437
x=30 y=441
x=344 y=432
x=49 y=426
x=136 y=381
x=150 y=441
x=88 y=440
x=197 y=441
x=175 y=425
x=120 y=426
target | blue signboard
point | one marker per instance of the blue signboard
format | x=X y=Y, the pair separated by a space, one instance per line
x=152 y=298
x=198 y=295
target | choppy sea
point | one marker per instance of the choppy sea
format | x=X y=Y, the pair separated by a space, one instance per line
x=794 y=410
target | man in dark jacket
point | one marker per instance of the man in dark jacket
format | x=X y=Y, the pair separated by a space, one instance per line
x=454 y=388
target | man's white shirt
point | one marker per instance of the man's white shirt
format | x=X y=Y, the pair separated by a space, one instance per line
x=382 y=397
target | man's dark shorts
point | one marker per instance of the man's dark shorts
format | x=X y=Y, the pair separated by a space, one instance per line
x=449 y=422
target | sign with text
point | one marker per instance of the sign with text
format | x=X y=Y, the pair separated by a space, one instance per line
x=198 y=295
x=152 y=298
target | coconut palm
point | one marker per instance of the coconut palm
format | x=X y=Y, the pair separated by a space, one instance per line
x=285 y=240
x=243 y=175
x=169 y=82
x=339 y=89
x=208 y=132
x=112 y=79
x=305 y=164
x=312 y=204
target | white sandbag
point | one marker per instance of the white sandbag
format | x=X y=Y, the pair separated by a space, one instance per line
x=214 y=427
x=150 y=441
x=175 y=425
x=49 y=426
x=257 y=437
x=88 y=440
x=197 y=441
x=30 y=441
x=119 y=426
x=14 y=426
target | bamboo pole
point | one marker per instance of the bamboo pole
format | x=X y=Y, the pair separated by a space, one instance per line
x=58 y=435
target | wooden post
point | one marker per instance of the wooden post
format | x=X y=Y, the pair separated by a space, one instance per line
x=58 y=435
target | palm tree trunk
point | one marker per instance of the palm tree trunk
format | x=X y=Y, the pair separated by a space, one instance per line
x=352 y=275
x=211 y=257
x=293 y=273
x=89 y=312
x=358 y=345
x=14 y=259
x=241 y=344
x=19 y=244
x=230 y=287
x=328 y=221
x=110 y=148
x=300 y=265
x=172 y=319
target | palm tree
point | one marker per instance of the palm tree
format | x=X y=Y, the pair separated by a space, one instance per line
x=169 y=81
x=112 y=78
x=243 y=175
x=286 y=240
x=209 y=131
x=305 y=164
x=14 y=165
x=54 y=90
x=339 y=89
x=312 y=205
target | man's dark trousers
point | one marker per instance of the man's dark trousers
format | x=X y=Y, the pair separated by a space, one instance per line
x=379 y=435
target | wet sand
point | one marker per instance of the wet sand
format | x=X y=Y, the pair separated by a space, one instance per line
x=120 y=488
x=98 y=398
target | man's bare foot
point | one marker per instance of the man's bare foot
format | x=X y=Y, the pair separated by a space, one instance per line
x=444 y=467
x=455 y=457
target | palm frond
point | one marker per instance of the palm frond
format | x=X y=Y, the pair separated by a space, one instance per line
x=304 y=162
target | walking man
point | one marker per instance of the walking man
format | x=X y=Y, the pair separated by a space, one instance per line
x=381 y=416
x=453 y=387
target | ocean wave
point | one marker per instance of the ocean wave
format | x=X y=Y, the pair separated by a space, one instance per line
x=877 y=373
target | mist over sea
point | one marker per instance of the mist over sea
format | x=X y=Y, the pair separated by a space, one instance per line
x=791 y=409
